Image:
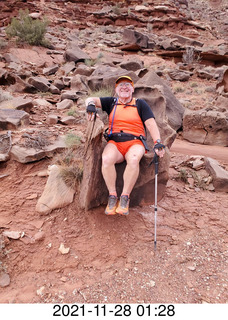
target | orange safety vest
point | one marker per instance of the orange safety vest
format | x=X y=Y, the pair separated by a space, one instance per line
x=125 y=118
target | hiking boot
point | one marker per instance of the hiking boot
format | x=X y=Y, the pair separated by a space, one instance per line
x=123 y=207
x=111 y=206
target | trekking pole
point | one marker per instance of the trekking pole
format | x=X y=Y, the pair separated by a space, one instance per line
x=156 y=157
x=155 y=161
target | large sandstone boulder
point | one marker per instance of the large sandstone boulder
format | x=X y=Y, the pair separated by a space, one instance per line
x=219 y=175
x=40 y=83
x=106 y=76
x=74 y=53
x=56 y=193
x=174 y=109
x=18 y=103
x=93 y=191
x=78 y=84
x=206 y=127
x=223 y=85
x=11 y=119
x=155 y=98
x=25 y=154
x=134 y=37
x=132 y=64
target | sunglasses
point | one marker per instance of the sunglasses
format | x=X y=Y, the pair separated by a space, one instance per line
x=126 y=84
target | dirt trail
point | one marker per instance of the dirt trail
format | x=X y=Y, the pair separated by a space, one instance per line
x=188 y=148
x=112 y=259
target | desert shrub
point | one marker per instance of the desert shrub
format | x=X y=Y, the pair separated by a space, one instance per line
x=72 y=112
x=92 y=62
x=71 y=167
x=28 y=30
x=200 y=182
x=72 y=174
x=193 y=85
x=3 y=44
x=72 y=140
x=183 y=175
x=190 y=56
x=4 y=96
x=116 y=9
x=178 y=89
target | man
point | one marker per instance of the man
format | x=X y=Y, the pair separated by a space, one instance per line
x=128 y=118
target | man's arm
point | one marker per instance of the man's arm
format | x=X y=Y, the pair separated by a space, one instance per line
x=153 y=129
x=155 y=134
x=94 y=100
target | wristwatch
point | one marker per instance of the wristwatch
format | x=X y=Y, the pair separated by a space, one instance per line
x=157 y=141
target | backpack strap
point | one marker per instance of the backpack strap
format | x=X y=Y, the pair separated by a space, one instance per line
x=140 y=114
x=113 y=116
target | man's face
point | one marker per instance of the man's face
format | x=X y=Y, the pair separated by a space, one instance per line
x=124 y=89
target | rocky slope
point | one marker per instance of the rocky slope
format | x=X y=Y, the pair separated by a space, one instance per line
x=71 y=255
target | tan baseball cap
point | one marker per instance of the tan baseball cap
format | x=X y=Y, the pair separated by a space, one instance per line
x=126 y=78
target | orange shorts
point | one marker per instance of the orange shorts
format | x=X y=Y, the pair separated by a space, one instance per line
x=123 y=147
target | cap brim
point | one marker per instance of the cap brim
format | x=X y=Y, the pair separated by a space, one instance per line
x=127 y=78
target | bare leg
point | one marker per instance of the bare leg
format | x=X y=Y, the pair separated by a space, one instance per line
x=133 y=157
x=110 y=156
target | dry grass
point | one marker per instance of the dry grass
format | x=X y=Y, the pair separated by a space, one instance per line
x=70 y=162
x=73 y=174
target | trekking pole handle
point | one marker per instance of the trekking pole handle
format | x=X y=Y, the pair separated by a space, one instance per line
x=155 y=160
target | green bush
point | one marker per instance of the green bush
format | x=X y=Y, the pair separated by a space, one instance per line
x=28 y=30
x=72 y=140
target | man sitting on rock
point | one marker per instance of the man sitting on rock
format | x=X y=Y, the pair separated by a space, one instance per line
x=128 y=118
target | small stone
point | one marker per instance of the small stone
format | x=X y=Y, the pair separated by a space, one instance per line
x=152 y=283
x=65 y=104
x=39 y=236
x=40 y=292
x=52 y=119
x=210 y=187
x=63 y=279
x=198 y=164
x=191 y=181
x=63 y=250
x=32 y=196
x=12 y=234
x=205 y=302
x=35 y=15
x=68 y=120
x=4 y=280
x=192 y=268
x=43 y=173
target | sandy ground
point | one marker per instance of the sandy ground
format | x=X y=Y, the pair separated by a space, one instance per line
x=112 y=259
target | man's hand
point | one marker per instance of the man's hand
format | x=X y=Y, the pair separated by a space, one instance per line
x=91 y=112
x=159 y=148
